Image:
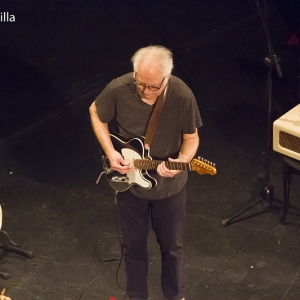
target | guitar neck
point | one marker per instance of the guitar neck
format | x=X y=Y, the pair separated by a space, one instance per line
x=147 y=164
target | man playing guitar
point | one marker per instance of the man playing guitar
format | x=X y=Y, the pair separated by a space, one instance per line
x=129 y=101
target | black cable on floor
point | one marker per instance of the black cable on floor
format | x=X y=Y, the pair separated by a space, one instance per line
x=103 y=261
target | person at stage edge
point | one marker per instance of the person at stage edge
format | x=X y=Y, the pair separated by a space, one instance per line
x=129 y=101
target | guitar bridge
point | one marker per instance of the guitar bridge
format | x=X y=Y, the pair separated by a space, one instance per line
x=120 y=179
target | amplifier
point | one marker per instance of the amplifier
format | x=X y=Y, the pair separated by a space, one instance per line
x=286 y=133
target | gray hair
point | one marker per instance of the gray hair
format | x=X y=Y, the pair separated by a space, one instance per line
x=158 y=53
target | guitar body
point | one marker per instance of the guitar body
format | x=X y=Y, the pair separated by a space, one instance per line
x=130 y=150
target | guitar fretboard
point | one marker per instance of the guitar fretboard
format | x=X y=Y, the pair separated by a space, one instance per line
x=147 y=164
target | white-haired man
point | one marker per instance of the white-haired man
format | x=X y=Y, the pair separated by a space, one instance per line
x=129 y=100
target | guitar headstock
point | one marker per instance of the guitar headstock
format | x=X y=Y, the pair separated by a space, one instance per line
x=203 y=166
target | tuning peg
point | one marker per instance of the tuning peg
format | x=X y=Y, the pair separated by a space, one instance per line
x=206 y=161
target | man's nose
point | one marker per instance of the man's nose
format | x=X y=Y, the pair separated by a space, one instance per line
x=146 y=89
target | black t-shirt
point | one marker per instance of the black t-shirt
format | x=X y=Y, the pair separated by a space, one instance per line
x=121 y=102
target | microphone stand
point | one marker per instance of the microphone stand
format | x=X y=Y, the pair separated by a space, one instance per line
x=271 y=60
x=8 y=245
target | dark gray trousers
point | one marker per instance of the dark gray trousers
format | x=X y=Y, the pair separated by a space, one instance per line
x=167 y=218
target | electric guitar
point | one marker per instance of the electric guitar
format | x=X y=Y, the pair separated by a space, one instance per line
x=134 y=152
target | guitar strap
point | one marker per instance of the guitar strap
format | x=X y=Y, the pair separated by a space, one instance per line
x=161 y=99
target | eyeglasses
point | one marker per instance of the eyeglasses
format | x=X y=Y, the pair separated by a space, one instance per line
x=142 y=86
